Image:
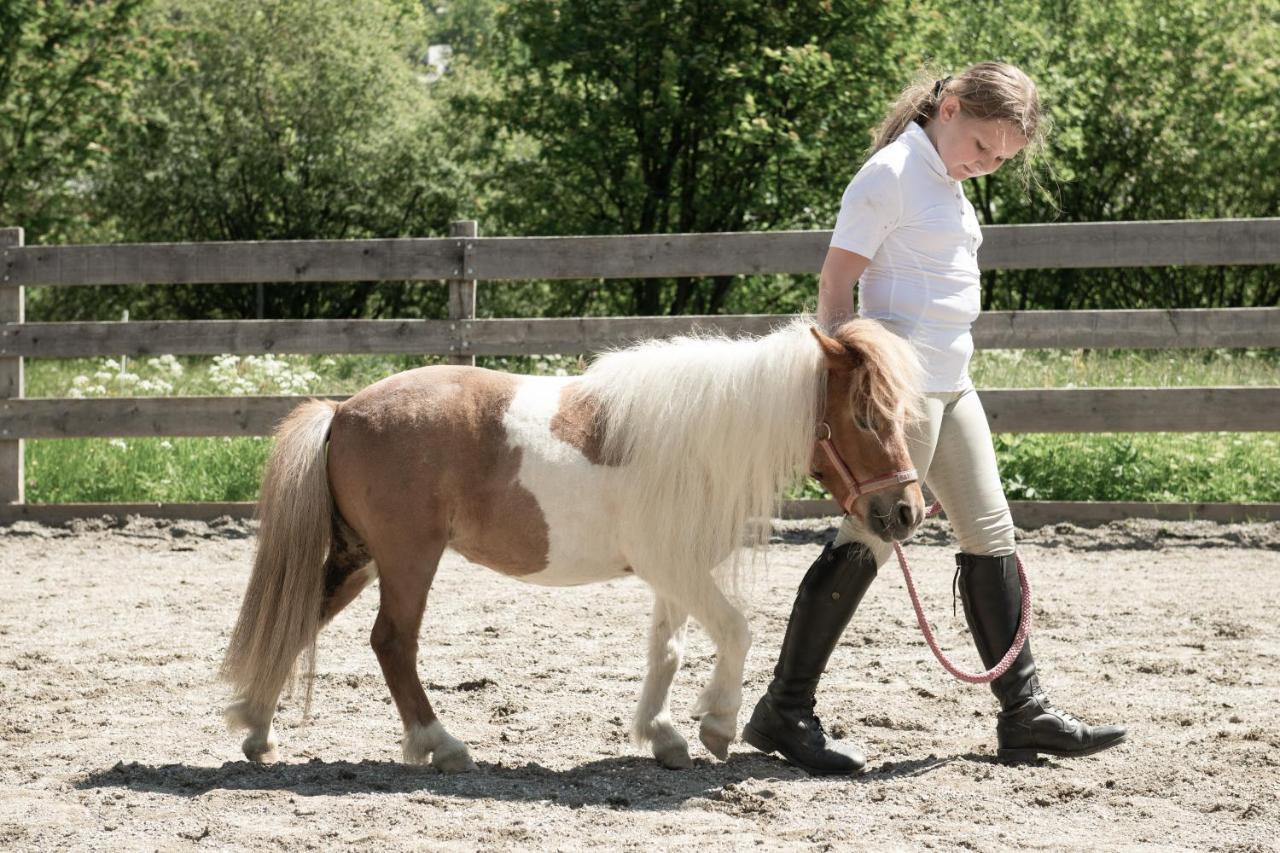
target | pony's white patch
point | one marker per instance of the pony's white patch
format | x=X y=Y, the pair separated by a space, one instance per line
x=713 y=430
x=578 y=499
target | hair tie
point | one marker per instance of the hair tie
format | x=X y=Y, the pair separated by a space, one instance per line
x=939 y=85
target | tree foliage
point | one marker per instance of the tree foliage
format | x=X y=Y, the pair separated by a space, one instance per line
x=1162 y=110
x=142 y=120
x=64 y=69
x=280 y=120
x=682 y=115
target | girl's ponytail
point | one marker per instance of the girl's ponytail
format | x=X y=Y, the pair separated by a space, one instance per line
x=918 y=102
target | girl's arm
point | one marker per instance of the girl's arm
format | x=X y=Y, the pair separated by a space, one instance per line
x=835 y=286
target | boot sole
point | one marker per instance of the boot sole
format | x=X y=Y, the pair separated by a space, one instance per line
x=1028 y=756
x=765 y=744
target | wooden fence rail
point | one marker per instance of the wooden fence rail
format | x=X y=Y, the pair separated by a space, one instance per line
x=1068 y=410
x=1071 y=245
x=464 y=258
x=1195 y=328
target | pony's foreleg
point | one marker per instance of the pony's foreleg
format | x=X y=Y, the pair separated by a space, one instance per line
x=403 y=584
x=717 y=707
x=652 y=723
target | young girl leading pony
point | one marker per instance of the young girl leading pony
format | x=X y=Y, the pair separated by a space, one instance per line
x=909 y=237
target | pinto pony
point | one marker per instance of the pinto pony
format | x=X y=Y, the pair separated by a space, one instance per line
x=659 y=461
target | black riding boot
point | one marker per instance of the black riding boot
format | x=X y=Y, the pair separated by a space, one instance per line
x=783 y=720
x=1028 y=723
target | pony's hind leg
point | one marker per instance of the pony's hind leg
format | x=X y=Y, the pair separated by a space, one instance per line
x=653 y=714
x=404 y=581
x=347 y=571
x=261 y=745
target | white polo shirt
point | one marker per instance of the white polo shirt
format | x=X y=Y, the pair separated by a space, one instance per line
x=913 y=221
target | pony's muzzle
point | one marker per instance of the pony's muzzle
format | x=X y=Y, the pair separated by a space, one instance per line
x=895 y=515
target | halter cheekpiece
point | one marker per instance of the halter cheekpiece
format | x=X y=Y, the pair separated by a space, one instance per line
x=858 y=488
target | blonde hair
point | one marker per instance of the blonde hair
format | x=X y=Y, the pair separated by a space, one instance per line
x=988 y=91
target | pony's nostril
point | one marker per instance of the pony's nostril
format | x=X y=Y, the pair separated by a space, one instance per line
x=906 y=515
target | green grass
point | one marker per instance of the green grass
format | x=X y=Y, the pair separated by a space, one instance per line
x=1210 y=467
x=1177 y=467
x=1234 y=467
x=76 y=470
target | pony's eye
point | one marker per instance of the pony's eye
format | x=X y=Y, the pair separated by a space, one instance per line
x=866 y=423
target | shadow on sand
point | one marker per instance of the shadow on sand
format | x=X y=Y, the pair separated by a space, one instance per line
x=625 y=782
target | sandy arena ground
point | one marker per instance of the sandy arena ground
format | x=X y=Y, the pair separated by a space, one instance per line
x=112 y=736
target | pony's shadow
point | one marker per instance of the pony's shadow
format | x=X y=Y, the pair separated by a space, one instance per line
x=624 y=782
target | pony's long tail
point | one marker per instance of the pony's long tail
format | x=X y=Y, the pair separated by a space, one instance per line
x=280 y=616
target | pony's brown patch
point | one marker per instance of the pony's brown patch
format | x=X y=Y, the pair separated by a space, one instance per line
x=579 y=423
x=422 y=457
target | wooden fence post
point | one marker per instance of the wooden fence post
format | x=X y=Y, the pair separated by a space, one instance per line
x=12 y=309
x=462 y=289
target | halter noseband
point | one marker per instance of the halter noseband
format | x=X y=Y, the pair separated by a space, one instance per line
x=858 y=489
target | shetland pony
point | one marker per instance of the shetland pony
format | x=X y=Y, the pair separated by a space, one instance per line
x=660 y=461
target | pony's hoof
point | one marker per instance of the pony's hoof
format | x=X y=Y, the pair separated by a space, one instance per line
x=446 y=753
x=668 y=745
x=259 y=751
x=716 y=737
x=453 y=759
x=674 y=756
x=717 y=745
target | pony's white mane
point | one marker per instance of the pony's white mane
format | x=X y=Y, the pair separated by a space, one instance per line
x=712 y=430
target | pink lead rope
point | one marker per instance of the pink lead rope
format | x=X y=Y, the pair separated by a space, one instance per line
x=1019 y=639
x=857 y=489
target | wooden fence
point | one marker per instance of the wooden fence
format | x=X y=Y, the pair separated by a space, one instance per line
x=464 y=259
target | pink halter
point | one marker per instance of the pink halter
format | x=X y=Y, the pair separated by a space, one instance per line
x=859 y=488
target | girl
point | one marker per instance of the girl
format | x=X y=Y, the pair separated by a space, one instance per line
x=910 y=238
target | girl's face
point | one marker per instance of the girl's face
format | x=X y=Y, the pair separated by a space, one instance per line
x=969 y=147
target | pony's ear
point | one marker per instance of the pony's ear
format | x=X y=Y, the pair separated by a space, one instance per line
x=839 y=357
